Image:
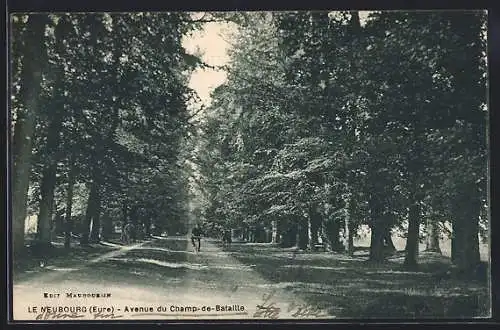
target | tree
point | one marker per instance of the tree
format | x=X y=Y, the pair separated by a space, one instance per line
x=30 y=83
x=51 y=153
x=112 y=115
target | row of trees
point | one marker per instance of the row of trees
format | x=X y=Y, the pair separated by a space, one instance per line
x=99 y=114
x=327 y=122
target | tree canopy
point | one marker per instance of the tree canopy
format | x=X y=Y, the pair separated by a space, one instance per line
x=326 y=122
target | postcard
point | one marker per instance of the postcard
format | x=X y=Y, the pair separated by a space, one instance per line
x=285 y=165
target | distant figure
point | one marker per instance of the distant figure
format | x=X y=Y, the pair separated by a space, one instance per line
x=128 y=233
x=123 y=233
x=196 y=237
x=226 y=238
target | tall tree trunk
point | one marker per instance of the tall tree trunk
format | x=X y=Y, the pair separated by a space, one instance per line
x=377 y=228
x=350 y=242
x=287 y=230
x=296 y=237
x=412 y=240
x=324 y=236
x=147 y=226
x=59 y=223
x=135 y=221
x=333 y=234
x=389 y=244
x=465 y=211
x=31 y=79
x=310 y=245
x=55 y=126
x=303 y=233
x=314 y=222
x=456 y=238
x=274 y=233
x=89 y=213
x=49 y=178
x=69 y=205
x=46 y=205
x=348 y=227
x=472 y=256
x=376 y=243
x=432 y=239
x=314 y=232
x=125 y=212
x=95 y=234
x=293 y=234
x=466 y=205
x=107 y=226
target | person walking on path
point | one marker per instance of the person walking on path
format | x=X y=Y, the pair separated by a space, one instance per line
x=226 y=238
x=196 y=237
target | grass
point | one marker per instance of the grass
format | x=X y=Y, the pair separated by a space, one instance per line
x=35 y=260
x=144 y=266
x=346 y=287
x=354 y=288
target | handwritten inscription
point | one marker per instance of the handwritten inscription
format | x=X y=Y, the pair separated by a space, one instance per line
x=269 y=310
x=305 y=310
x=104 y=315
x=54 y=315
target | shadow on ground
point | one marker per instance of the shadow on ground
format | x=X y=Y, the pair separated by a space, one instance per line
x=31 y=264
x=354 y=288
x=36 y=260
x=157 y=264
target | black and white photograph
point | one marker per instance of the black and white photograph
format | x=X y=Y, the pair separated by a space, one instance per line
x=249 y=165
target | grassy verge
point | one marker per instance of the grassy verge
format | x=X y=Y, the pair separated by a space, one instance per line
x=35 y=260
x=351 y=287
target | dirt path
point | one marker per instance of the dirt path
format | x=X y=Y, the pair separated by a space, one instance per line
x=224 y=280
x=162 y=279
